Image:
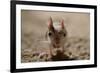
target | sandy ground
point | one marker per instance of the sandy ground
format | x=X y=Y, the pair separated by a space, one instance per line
x=34 y=27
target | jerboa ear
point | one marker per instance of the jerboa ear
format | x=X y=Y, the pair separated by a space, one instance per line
x=50 y=23
x=62 y=24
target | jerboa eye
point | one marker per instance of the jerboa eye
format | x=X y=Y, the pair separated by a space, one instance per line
x=49 y=33
x=64 y=34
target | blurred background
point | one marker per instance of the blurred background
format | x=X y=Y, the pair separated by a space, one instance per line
x=77 y=24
